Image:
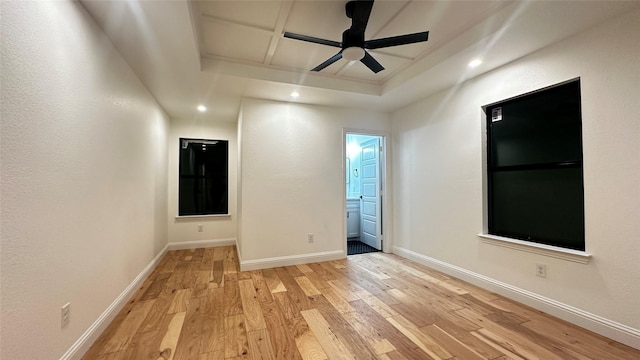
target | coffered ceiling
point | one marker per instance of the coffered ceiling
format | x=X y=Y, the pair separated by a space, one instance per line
x=250 y=32
x=217 y=52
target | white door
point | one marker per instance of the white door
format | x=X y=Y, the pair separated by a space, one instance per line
x=371 y=204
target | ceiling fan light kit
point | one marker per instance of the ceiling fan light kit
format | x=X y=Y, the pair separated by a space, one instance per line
x=353 y=45
x=353 y=53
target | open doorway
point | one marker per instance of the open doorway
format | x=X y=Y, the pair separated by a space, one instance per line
x=364 y=177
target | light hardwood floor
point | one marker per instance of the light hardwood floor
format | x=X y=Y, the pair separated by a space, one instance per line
x=197 y=305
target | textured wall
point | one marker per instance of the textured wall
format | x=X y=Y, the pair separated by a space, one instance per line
x=292 y=176
x=83 y=159
x=214 y=228
x=438 y=172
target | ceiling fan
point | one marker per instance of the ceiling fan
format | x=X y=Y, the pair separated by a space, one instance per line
x=353 y=44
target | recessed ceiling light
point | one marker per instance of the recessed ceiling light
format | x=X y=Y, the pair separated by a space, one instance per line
x=474 y=63
x=201 y=108
x=295 y=94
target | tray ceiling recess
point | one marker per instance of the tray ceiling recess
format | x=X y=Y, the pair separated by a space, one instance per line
x=250 y=37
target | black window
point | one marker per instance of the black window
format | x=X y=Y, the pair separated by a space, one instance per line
x=534 y=167
x=204 y=181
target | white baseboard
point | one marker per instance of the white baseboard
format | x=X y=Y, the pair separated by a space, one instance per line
x=82 y=345
x=291 y=260
x=201 y=244
x=605 y=327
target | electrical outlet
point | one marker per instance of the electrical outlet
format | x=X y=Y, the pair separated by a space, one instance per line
x=541 y=270
x=200 y=228
x=65 y=315
x=310 y=237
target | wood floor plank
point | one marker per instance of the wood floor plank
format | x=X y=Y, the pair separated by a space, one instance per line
x=128 y=328
x=216 y=355
x=338 y=302
x=110 y=331
x=307 y=343
x=353 y=341
x=157 y=344
x=307 y=286
x=260 y=345
x=230 y=261
x=585 y=343
x=332 y=346
x=461 y=329
x=263 y=292
x=216 y=277
x=143 y=346
x=516 y=343
x=156 y=314
x=172 y=331
x=282 y=340
x=343 y=290
x=294 y=271
x=207 y=259
x=424 y=341
x=304 y=268
x=450 y=343
x=156 y=287
x=399 y=340
x=379 y=306
x=220 y=251
x=410 y=309
x=213 y=326
x=321 y=272
x=273 y=281
x=180 y=301
x=235 y=341
x=232 y=301
x=190 y=337
x=379 y=344
x=393 y=355
x=289 y=310
x=196 y=304
x=191 y=273
x=120 y=355
x=251 y=306
x=317 y=280
x=298 y=297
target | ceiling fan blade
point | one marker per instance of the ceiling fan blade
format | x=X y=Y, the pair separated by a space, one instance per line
x=312 y=39
x=371 y=63
x=329 y=61
x=361 y=12
x=397 y=40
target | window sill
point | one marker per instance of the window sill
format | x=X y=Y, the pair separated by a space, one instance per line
x=194 y=217
x=541 y=249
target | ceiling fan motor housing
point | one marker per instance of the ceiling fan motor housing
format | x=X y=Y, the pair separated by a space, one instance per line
x=351 y=38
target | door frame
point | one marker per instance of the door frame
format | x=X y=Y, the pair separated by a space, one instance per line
x=385 y=165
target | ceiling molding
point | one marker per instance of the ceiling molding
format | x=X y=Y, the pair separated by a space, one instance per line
x=214 y=19
x=196 y=26
x=302 y=78
x=285 y=9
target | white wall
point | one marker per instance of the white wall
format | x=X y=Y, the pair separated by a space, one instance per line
x=214 y=228
x=83 y=149
x=292 y=177
x=438 y=171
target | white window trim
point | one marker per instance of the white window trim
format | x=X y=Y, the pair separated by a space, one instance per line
x=577 y=256
x=187 y=217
